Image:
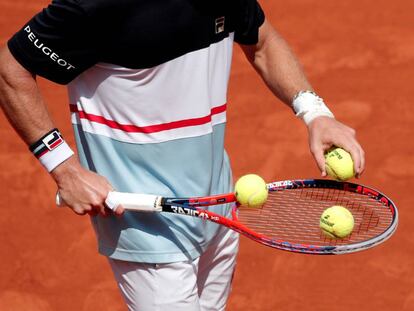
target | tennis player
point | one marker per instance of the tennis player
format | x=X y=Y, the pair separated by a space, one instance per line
x=147 y=84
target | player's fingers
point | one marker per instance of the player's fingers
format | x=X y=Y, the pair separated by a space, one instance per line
x=359 y=169
x=80 y=210
x=115 y=209
x=77 y=209
x=362 y=167
x=96 y=205
x=318 y=154
x=353 y=150
x=351 y=145
x=102 y=210
x=119 y=210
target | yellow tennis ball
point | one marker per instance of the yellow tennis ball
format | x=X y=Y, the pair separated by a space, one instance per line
x=337 y=222
x=339 y=164
x=251 y=190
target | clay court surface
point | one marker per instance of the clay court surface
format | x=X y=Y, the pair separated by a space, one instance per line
x=359 y=55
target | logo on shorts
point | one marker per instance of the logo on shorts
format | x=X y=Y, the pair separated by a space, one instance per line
x=220 y=24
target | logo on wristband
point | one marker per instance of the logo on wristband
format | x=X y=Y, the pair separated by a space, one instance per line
x=52 y=140
x=45 y=149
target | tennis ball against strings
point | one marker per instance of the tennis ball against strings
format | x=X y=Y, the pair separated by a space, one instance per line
x=337 y=222
x=251 y=190
x=339 y=164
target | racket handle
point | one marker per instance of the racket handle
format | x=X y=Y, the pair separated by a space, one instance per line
x=134 y=201
x=129 y=201
x=59 y=200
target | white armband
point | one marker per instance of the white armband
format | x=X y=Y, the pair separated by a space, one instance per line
x=308 y=106
x=51 y=150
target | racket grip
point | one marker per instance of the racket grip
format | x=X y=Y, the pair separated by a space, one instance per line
x=134 y=201
x=129 y=201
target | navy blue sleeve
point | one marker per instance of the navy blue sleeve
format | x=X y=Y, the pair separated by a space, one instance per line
x=70 y=36
x=250 y=17
x=57 y=43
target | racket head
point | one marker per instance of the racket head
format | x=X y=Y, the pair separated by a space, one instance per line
x=289 y=220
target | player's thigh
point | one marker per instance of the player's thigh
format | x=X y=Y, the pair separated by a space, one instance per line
x=215 y=271
x=158 y=287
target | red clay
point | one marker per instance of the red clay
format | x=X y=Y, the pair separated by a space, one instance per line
x=359 y=57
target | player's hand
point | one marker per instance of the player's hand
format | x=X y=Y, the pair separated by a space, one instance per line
x=82 y=190
x=325 y=132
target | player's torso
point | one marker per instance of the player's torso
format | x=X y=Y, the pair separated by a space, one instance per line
x=152 y=115
x=163 y=70
x=148 y=87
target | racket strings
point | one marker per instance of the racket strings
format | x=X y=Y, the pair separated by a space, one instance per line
x=293 y=215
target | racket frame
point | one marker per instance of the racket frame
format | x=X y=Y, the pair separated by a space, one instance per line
x=193 y=207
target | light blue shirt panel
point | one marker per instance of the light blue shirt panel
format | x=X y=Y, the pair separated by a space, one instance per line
x=195 y=166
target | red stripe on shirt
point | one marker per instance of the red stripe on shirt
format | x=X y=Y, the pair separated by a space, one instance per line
x=149 y=128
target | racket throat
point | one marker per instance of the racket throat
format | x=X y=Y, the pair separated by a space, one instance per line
x=182 y=210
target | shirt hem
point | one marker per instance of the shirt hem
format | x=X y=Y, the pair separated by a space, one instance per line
x=160 y=257
x=147 y=257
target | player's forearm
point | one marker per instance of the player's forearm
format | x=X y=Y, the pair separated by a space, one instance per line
x=24 y=107
x=21 y=101
x=277 y=65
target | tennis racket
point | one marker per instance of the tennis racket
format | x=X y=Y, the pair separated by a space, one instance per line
x=289 y=220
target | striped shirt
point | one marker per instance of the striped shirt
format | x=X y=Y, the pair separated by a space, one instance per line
x=147 y=85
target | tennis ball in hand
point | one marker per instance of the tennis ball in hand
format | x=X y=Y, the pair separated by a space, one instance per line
x=337 y=222
x=251 y=190
x=339 y=164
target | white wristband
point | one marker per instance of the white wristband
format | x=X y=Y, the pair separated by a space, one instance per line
x=51 y=150
x=308 y=106
x=52 y=159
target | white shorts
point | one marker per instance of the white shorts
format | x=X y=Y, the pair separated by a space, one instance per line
x=202 y=284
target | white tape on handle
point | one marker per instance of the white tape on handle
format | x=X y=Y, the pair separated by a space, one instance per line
x=129 y=201
x=134 y=201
